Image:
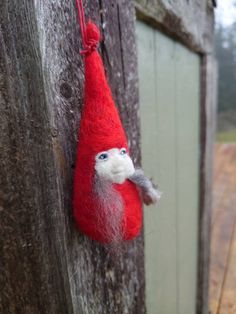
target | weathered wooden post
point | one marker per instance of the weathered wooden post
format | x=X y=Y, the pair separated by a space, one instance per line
x=46 y=265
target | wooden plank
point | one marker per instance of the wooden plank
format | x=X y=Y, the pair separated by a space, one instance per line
x=228 y=302
x=220 y=160
x=187 y=148
x=221 y=235
x=207 y=136
x=170 y=148
x=46 y=265
x=156 y=66
x=173 y=19
x=217 y=164
x=224 y=163
x=146 y=57
x=190 y=23
x=166 y=293
x=223 y=229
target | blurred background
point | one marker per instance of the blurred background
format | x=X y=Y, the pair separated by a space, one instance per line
x=225 y=46
x=223 y=226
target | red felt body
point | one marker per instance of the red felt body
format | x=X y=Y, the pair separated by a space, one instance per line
x=100 y=130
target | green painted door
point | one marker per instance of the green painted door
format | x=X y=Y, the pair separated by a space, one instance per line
x=169 y=76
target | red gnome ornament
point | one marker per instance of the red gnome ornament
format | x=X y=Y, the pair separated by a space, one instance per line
x=107 y=188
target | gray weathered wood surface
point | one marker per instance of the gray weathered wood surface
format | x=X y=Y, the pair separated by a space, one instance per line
x=46 y=265
x=191 y=22
x=207 y=138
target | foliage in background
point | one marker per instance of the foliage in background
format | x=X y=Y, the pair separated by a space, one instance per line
x=229 y=137
x=225 y=46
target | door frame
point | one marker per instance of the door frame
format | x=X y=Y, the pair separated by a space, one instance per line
x=207 y=110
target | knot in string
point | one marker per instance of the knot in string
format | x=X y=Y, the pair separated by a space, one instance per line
x=90 y=33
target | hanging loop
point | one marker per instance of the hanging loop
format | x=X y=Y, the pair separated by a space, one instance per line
x=90 y=33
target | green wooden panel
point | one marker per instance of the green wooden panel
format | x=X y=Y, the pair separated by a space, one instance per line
x=169 y=101
x=187 y=140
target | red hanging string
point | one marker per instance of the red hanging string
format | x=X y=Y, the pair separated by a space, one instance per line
x=81 y=16
x=89 y=44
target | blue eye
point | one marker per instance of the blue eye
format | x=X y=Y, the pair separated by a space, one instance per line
x=103 y=156
x=123 y=151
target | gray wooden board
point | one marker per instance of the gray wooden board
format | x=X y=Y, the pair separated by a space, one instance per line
x=169 y=95
x=209 y=78
x=46 y=265
x=190 y=22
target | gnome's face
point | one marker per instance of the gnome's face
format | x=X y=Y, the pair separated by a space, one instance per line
x=114 y=165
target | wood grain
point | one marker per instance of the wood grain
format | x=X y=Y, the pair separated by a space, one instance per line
x=191 y=23
x=228 y=300
x=46 y=265
x=223 y=239
x=207 y=135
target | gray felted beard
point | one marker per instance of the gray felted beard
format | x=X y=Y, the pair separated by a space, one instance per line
x=110 y=210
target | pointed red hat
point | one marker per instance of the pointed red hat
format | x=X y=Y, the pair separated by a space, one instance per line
x=100 y=129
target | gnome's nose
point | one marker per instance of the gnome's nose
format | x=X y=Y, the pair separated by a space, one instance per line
x=117 y=169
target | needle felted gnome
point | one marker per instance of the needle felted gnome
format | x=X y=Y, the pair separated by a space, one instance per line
x=107 y=188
